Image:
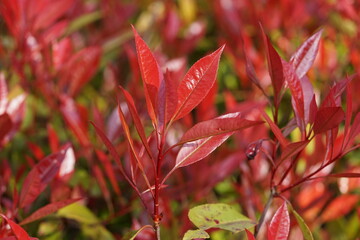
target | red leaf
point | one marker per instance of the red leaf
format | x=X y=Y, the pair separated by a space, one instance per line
x=79 y=69
x=109 y=170
x=102 y=183
x=52 y=138
x=3 y=93
x=39 y=177
x=18 y=231
x=150 y=72
x=112 y=150
x=339 y=207
x=276 y=130
x=280 y=224
x=292 y=149
x=47 y=210
x=68 y=164
x=197 y=83
x=349 y=109
x=294 y=84
x=192 y=152
x=135 y=116
x=355 y=128
x=328 y=118
x=171 y=96
x=51 y=12
x=305 y=55
x=249 y=235
x=128 y=138
x=275 y=68
x=72 y=115
x=5 y=125
x=224 y=124
x=250 y=71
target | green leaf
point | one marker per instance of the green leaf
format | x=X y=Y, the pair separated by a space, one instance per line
x=304 y=228
x=132 y=235
x=219 y=215
x=192 y=234
x=91 y=226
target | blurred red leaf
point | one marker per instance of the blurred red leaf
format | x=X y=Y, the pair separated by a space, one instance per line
x=67 y=166
x=328 y=118
x=355 y=128
x=249 y=235
x=109 y=170
x=339 y=207
x=54 y=10
x=39 y=177
x=73 y=117
x=305 y=55
x=279 y=227
x=79 y=69
x=5 y=125
x=18 y=231
x=47 y=210
x=224 y=124
x=292 y=149
x=197 y=83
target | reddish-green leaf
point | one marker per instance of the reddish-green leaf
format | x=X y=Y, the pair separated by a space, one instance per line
x=18 y=231
x=279 y=227
x=224 y=124
x=39 y=177
x=150 y=72
x=249 y=235
x=305 y=55
x=275 y=68
x=276 y=130
x=339 y=207
x=192 y=152
x=47 y=210
x=197 y=83
x=328 y=118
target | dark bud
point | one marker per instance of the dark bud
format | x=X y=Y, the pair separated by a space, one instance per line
x=253 y=149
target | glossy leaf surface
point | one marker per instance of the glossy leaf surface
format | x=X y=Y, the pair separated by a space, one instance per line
x=224 y=124
x=197 y=83
x=279 y=227
x=150 y=72
x=192 y=152
x=305 y=55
